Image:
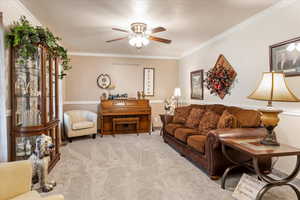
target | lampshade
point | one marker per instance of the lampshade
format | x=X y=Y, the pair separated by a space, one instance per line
x=273 y=87
x=177 y=92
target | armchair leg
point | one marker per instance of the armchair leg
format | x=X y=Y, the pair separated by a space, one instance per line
x=94 y=136
x=70 y=140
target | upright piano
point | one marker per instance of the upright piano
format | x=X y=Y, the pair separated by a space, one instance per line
x=124 y=116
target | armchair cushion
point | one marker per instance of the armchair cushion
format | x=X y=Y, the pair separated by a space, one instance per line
x=82 y=125
x=32 y=195
x=9 y=173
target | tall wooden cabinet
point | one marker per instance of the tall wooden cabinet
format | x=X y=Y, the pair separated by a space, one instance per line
x=34 y=101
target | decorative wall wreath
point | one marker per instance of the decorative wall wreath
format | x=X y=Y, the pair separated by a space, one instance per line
x=219 y=80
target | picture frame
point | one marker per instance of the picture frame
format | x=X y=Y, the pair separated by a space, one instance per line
x=196 y=78
x=148 y=81
x=285 y=57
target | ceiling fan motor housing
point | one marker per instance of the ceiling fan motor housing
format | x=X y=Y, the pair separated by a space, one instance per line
x=138 y=27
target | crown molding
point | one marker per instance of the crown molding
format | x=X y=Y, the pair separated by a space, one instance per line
x=122 y=55
x=280 y=5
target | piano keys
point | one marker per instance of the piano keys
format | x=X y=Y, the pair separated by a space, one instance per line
x=124 y=116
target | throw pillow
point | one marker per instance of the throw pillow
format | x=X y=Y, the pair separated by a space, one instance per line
x=181 y=114
x=194 y=117
x=208 y=122
x=227 y=120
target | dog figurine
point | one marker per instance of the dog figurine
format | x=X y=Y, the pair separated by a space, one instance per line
x=40 y=160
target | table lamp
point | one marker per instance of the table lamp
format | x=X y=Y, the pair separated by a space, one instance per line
x=177 y=94
x=271 y=88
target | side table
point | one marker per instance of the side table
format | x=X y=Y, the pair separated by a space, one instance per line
x=164 y=119
x=255 y=150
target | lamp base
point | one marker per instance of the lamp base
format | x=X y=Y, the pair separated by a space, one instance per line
x=270 y=139
x=270 y=120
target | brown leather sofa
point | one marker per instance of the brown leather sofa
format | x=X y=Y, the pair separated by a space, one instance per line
x=195 y=132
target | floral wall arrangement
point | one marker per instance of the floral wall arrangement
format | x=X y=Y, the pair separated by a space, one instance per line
x=27 y=38
x=219 y=80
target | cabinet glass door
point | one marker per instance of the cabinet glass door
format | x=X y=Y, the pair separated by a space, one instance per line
x=27 y=91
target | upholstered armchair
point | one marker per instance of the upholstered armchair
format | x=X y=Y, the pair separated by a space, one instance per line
x=80 y=123
x=15 y=182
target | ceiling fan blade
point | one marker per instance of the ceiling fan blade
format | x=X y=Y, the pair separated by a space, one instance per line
x=116 y=39
x=118 y=29
x=158 y=29
x=158 y=39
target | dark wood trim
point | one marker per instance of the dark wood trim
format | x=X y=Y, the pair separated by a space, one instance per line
x=153 y=81
x=297 y=39
x=201 y=71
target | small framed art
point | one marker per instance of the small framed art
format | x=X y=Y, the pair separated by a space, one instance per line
x=149 y=76
x=197 y=84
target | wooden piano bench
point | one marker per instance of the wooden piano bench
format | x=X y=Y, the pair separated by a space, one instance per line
x=126 y=121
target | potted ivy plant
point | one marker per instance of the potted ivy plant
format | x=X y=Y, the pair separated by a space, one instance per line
x=27 y=37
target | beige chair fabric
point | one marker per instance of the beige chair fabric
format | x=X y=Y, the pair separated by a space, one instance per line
x=15 y=182
x=79 y=123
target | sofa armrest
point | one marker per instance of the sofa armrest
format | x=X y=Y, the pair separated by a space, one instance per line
x=15 y=178
x=54 y=197
x=214 y=136
x=91 y=116
x=169 y=119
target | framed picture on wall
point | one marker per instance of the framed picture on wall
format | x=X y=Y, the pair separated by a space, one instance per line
x=285 y=57
x=197 y=84
x=149 y=81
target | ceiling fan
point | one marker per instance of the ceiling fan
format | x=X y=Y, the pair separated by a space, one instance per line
x=139 y=35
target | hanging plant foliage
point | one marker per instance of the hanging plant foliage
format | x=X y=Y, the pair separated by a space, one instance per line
x=26 y=38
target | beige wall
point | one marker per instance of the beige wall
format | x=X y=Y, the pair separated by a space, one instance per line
x=246 y=48
x=81 y=90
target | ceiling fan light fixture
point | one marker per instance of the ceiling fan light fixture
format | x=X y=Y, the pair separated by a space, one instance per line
x=139 y=41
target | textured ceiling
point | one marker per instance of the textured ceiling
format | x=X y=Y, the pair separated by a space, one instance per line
x=85 y=25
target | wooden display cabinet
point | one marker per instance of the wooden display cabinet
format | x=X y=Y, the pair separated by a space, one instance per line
x=34 y=100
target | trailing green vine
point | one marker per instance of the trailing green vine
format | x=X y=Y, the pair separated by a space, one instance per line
x=26 y=37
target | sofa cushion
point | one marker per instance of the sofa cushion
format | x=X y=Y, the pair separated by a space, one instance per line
x=246 y=118
x=197 y=142
x=208 y=122
x=217 y=108
x=181 y=114
x=171 y=127
x=194 y=117
x=183 y=133
x=227 y=120
x=82 y=125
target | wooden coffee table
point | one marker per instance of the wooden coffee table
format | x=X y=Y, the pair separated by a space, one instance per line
x=255 y=150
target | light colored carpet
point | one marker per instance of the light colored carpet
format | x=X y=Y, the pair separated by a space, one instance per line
x=130 y=167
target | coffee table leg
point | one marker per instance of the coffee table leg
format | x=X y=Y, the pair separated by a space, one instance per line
x=276 y=183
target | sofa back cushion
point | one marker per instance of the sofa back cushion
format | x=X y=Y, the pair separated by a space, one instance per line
x=246 y=118
x=181 y=114
x=227 y=120
x=194 y=117
x=208 y=122
x=217 y=108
